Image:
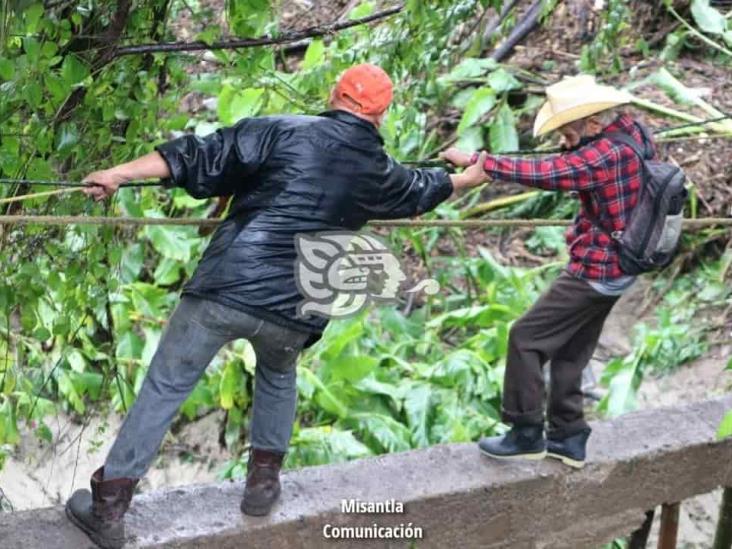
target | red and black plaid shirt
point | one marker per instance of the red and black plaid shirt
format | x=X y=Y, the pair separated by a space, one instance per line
x=606 y=176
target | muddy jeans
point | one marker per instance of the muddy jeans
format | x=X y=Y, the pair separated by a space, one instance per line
x=562 y=328
x=195 y=333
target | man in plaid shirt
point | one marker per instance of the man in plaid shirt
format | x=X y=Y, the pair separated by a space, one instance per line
x=564 y=325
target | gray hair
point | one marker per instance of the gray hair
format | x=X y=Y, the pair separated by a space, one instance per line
x=608 y=116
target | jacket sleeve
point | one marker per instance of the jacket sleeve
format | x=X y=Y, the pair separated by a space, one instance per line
x=220 y=163
x=579 y=170
x=409 y=192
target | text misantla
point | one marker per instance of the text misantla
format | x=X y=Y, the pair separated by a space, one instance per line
x=358 y=506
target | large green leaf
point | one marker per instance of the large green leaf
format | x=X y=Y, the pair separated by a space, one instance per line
x=389 y=433
x=129 y=345
x=249 y=18
x=8 y=425
x=74 y=70
x=622 y=377
x=172 y=242
x=503 y=135
x=417 y=405
x=471 y=139
x=352 y=367
x=325 y=398
x=502 y=81
x=236 y=104
x=471 y=67
x=482 y=101
x=708 y=18
x=314 y=55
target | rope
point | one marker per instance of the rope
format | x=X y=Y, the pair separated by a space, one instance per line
x=414 y=223
x=425 y=163
x=66 y=183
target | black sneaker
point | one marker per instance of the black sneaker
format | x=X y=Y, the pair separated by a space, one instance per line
x=521 y=442
x=570 y=450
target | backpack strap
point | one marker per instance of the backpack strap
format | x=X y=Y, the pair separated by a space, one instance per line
x=643 y=154
x=625 y=139
x=647 y=140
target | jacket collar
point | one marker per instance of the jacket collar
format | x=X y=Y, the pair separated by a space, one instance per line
x=348 y=118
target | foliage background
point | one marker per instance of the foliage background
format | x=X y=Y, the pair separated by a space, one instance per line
x=83 y=307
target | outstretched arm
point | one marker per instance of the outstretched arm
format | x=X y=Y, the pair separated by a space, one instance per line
x=409 y=192
x=106 y=182
x=578 y=170
x=215 y=165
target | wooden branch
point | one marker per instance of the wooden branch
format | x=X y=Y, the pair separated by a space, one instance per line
x=285 y=38
x=102 y=58
x=528 y=23
x=498 y=19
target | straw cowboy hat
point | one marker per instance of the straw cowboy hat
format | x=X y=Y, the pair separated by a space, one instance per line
x=574 y=98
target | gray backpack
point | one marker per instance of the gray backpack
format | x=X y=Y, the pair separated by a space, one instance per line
x=651 y=236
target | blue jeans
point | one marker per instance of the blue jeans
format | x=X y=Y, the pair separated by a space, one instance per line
x=195 y=333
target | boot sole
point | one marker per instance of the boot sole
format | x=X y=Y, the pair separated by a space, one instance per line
x=104 y=543
x=258 y=510
x=574 y=463
x=254 y=511
x=535 y=456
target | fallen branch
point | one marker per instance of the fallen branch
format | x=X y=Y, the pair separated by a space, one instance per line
x=498 y=203
x=498 y=20
x=528 y=23
x=285 y=38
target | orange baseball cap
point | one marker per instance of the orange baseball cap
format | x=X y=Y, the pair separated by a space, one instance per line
x=368 y=86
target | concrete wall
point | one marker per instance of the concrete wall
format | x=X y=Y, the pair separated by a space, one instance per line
x=457 y=496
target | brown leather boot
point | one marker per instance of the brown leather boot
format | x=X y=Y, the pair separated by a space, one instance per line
x=100 y=513
x=263 y=482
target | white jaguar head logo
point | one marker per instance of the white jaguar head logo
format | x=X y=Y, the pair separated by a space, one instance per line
x=340 y=273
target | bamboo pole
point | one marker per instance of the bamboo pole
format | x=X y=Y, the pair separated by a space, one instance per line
x=22 y=197
x=497 y=203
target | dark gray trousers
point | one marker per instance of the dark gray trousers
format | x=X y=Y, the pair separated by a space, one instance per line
x=195 y=333
x=562 y=328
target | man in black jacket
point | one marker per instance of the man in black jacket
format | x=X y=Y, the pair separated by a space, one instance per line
x=287 y=175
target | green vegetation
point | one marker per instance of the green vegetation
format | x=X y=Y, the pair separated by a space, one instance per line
x=82 y=307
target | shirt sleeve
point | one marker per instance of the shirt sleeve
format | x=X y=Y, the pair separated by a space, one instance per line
x=579 y=170
x=409 y=192
x=220 y=163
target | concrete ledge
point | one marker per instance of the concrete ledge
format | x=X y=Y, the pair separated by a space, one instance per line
x=457 y=496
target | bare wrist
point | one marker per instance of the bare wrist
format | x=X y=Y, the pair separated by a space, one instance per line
x=458 y=181
x=125 y=172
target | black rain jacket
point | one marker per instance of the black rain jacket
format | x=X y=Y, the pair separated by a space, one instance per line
x=289 y=175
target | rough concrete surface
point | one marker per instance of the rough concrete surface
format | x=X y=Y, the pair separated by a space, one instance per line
x=457 y=496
